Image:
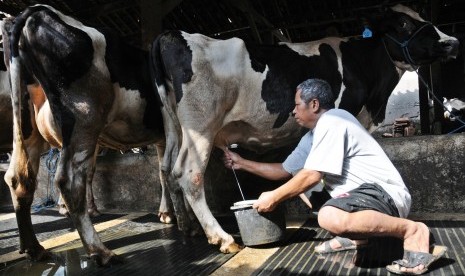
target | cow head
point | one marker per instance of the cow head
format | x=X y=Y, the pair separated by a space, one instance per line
x=411 y=41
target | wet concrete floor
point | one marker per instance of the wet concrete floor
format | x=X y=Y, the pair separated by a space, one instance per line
x=152 y=248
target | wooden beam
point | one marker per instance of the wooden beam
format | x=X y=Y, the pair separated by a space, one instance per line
x=151 y=16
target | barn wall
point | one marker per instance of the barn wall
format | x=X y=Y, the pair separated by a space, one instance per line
x=432 y=167
x=121 y=182
x=403 y=102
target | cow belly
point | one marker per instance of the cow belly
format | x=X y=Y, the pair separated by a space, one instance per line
x=122 y=135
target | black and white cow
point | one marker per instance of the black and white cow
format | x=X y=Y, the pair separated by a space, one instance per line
x=86 y=88
x=219 y=92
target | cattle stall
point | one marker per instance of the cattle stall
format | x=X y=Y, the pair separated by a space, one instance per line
x=126 y=183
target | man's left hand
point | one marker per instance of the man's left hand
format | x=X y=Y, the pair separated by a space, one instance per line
x=266 y=202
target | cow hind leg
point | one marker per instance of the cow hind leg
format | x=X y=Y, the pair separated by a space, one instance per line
x=190 y=174
x=62 y=207
x=185 y=219
x=21 y=179
x=165 y=212
x=75 y=166
x=167 y=163
x=91 y=207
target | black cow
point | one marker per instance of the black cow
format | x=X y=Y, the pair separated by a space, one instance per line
x=219 y=92
x=86 y=88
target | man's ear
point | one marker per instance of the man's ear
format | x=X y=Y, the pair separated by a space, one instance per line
x=316 y=105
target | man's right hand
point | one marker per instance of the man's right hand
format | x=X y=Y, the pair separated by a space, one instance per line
x=232 y=160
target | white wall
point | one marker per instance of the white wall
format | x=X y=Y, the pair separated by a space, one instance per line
x=403 y=102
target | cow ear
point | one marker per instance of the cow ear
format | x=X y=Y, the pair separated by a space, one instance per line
x=378 y=20
x=365 y=25
x=422 y=10
x=416 y=7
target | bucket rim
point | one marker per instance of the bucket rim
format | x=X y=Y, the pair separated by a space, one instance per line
x=245 y=202
x=243 y=205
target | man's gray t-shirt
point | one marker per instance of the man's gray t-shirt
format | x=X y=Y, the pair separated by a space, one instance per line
x=349 y=156
x=296 y=160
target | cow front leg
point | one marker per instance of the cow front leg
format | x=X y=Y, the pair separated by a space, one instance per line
x=74 y=168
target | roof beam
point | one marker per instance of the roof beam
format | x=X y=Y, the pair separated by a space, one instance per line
x=253 y=16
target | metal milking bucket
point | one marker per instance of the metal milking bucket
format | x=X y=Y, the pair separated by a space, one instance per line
x=259 y=228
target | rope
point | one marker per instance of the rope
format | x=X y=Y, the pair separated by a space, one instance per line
x=53 y=156
x=404 y=45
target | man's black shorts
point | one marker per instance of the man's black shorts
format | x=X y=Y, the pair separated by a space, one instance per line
x=368 y=196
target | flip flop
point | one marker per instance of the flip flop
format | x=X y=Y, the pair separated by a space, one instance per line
x=346 y=244
x=412 y=259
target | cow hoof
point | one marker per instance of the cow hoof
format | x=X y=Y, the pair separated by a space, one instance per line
x=37 y=254
x=111 y=259
x=231 y=248
x=165 y=218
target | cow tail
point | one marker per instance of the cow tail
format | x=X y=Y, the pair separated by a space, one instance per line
x=171 y=123
x=11 y=31
x=158 y=73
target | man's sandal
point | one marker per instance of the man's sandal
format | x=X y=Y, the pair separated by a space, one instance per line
x=413 y=259
x=346 y=244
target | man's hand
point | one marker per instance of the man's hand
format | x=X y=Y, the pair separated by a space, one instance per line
x=232 y=160
x=266 y=202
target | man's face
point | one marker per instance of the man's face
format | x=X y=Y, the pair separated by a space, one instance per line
x=304 y=114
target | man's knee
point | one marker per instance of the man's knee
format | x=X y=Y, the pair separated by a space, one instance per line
x=332 y=219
